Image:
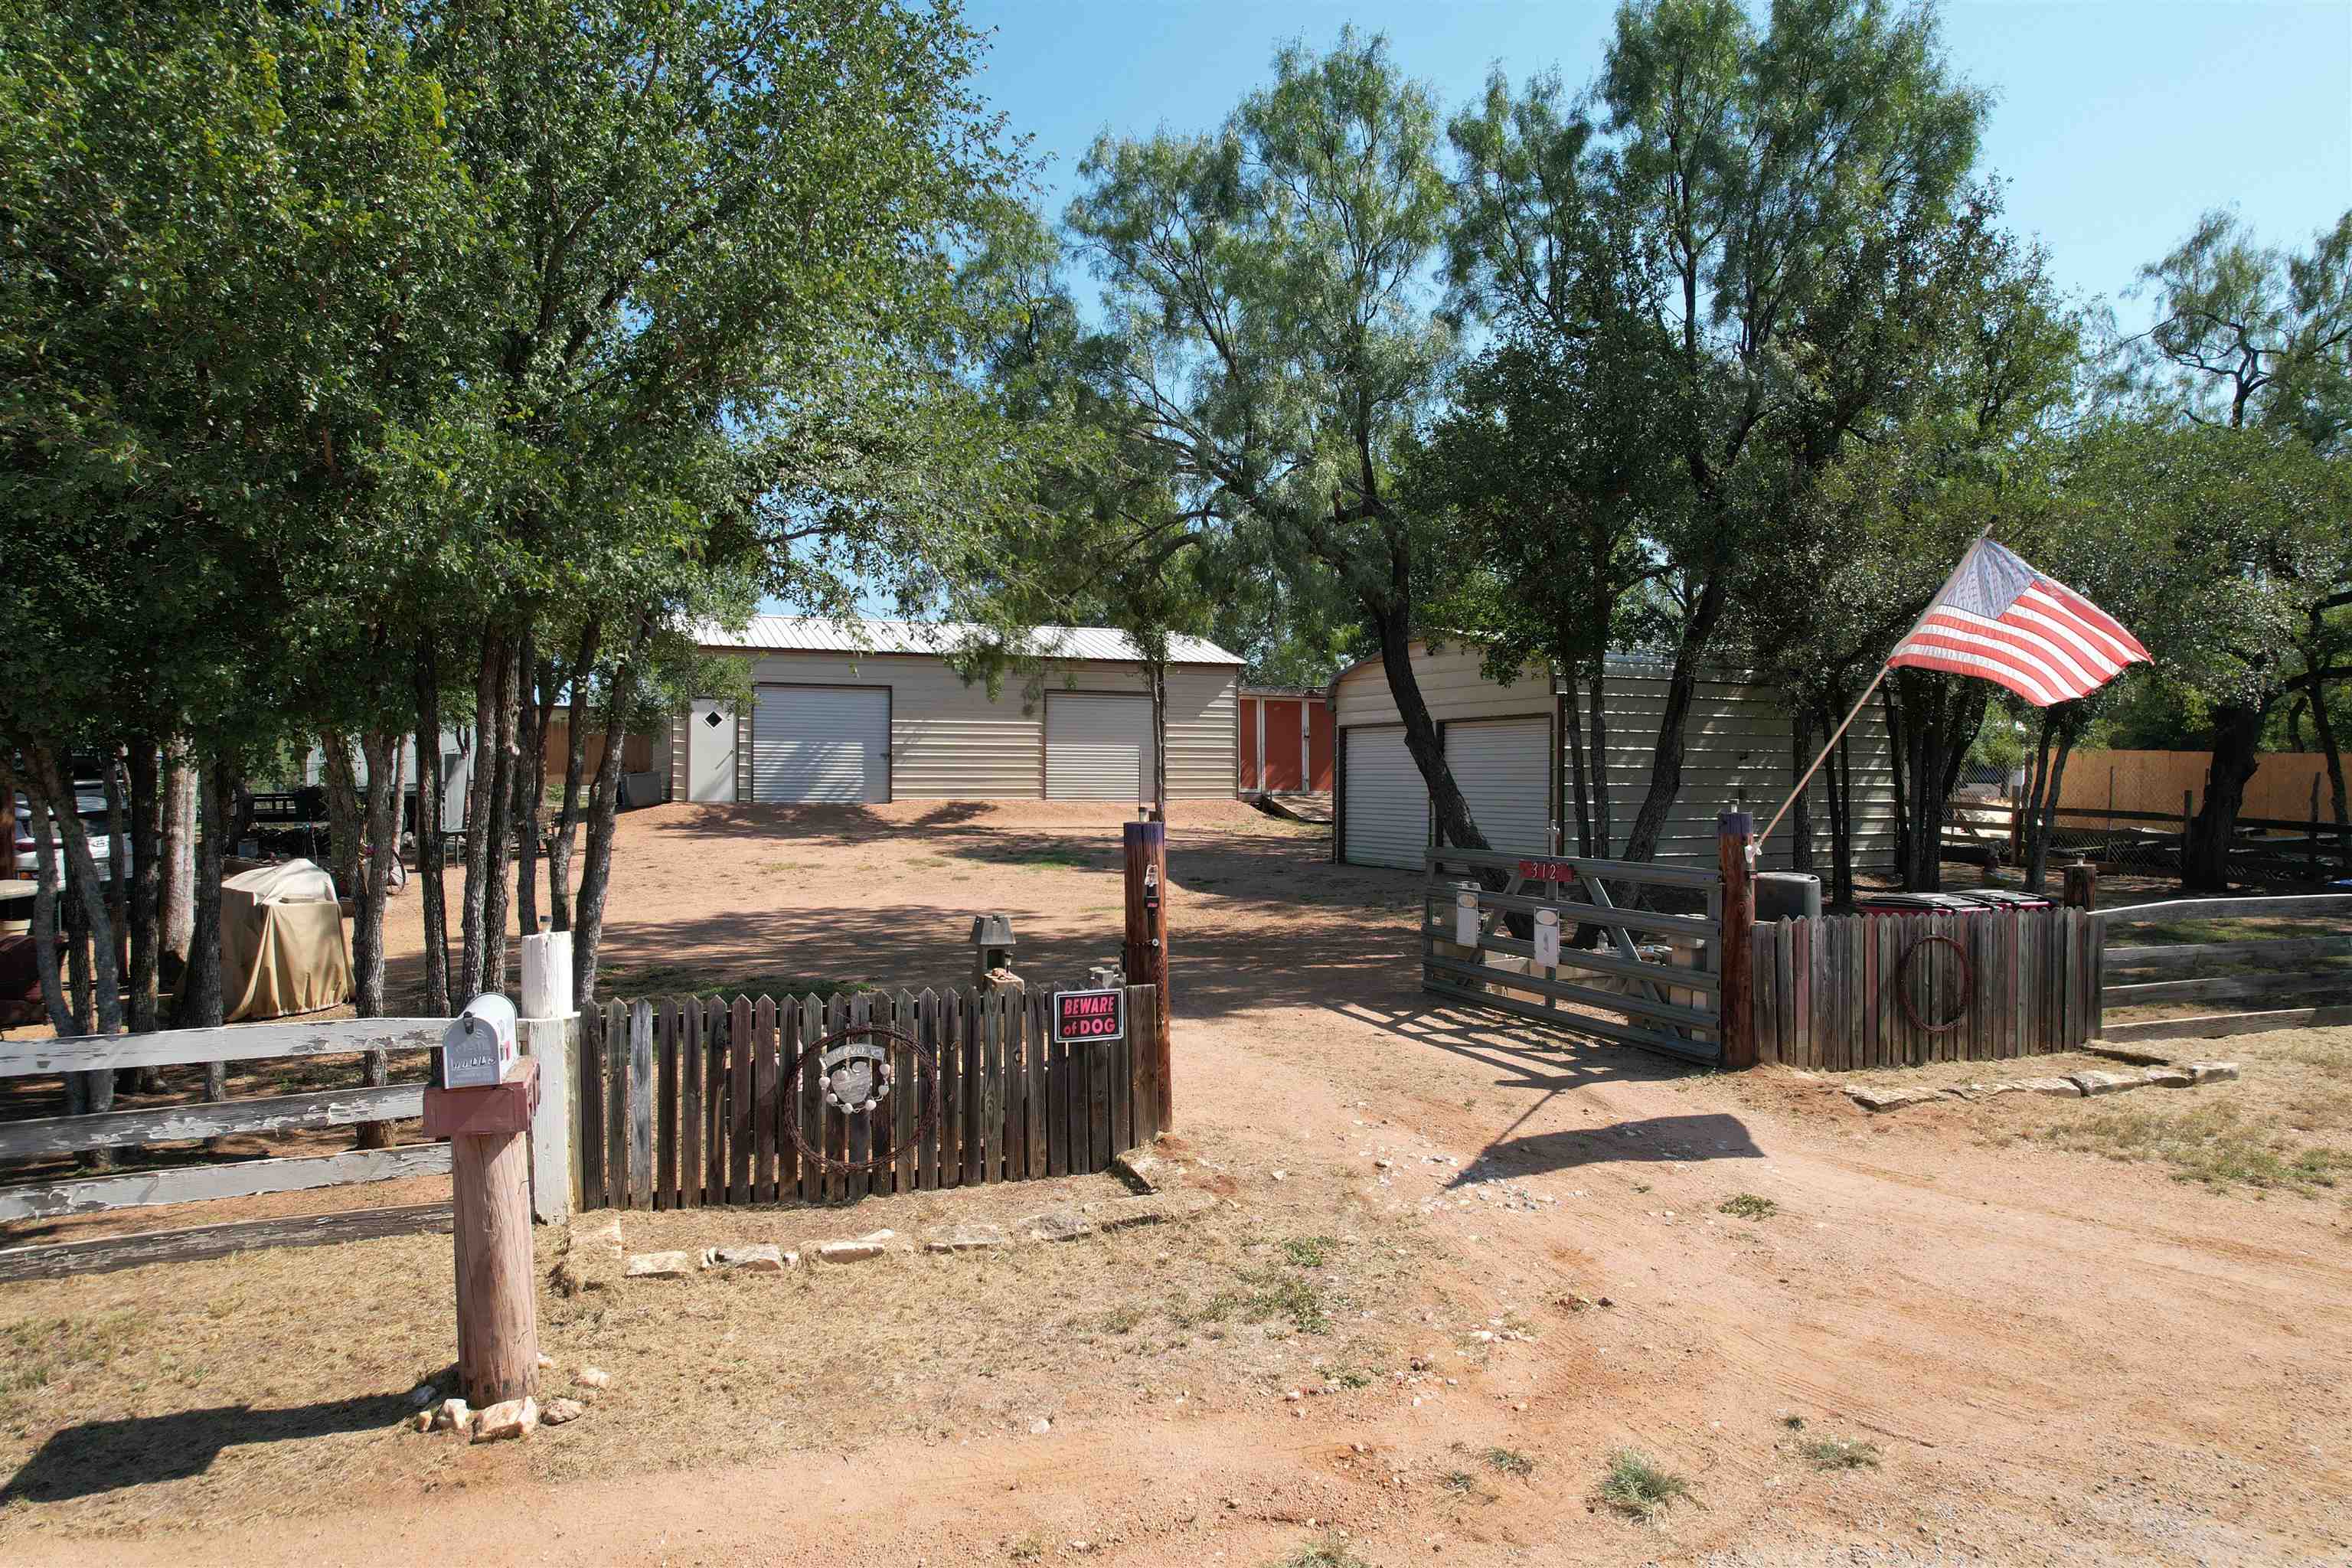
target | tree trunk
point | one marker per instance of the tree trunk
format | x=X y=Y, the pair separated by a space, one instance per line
x=2325 y=729
x=2237 y=734
x=1597 y=704
x=1841 y=769
x=2040 y=814
x=432 y=892
x=103 y=981
x=497 y=893
x=1800 y=815
x=1450 y=811
x=490 y=683
x=140 y=767
x=575 y=764
x=383 y=824
x=340 y=775
x=200 y=1004
x=1572 y=709
x=530 y=784
x=1666 y=756
x=176 y=886
x=46 y=965
x=1156 y=672
x=603 y=805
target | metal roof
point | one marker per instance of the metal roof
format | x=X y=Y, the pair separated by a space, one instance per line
x=810 y=634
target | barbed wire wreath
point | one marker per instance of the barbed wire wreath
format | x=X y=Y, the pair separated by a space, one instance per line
x=1903 y=989
x=857 y=1078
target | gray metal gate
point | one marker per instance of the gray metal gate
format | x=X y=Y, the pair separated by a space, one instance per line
x=1654 y=981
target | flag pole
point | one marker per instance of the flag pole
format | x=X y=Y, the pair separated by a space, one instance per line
x=1757 y=849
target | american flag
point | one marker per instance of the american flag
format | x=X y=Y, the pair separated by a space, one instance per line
x=1998 y=619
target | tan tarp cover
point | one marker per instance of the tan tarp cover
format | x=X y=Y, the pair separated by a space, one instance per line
x=282 y=943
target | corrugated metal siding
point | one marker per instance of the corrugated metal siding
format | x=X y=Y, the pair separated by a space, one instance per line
x=802 y=634
x=1736 y=755
x=1097 y=747
x=1387 y=805
x=1503 y=768
x=950 y=741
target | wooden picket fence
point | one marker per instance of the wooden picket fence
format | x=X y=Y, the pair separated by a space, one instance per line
x=1830 y=992
x=681 y=1106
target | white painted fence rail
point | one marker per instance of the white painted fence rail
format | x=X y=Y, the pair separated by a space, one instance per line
x=193 y=1121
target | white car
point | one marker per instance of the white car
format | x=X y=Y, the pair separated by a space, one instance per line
x=90 y=808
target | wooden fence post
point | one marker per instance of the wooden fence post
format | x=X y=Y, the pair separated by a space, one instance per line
x=2082 y=885
x=1146 y=945
x=489 y=1177
x=1734 y=841
x=549 y=1030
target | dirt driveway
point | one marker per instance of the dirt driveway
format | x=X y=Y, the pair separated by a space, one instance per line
x=2002 y=1350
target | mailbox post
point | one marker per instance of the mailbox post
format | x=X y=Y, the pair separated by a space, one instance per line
x=489 y=1129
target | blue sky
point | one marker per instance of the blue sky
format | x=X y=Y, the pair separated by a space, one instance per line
x=2116 y=122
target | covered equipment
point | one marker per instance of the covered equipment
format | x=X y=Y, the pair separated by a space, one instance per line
x=282 y=943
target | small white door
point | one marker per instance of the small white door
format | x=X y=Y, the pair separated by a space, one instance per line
x=710 y=751
x=1387 y=804
x=1503 y=768
x=813 y=744
x=1097 y=747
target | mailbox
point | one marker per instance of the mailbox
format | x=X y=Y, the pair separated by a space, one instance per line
x=479 y=1045
x=1466 y=918
x=1547 y=939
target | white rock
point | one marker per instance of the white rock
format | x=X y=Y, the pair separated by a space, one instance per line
x=2212 y=1072
x=2105 y=1083
x=425 y=1393
x=454 y=1415
x=422 y=1421
x=545 y=1361
x=967 y=1239
x=1040 y=1427
x=560 y=1410
x=592 y=1377
x=660 y=1266
x=509 y=1418
x=853 y=1251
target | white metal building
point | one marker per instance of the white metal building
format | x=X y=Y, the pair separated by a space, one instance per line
x=871 y=711
x=1507 y=743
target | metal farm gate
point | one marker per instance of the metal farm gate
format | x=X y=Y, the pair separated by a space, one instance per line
x=1520 y=947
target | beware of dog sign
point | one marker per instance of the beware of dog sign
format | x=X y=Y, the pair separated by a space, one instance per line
x=1084 y=1016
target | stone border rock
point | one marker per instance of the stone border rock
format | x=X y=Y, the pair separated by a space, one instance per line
x=1069 y=1222
x=2184 y=1075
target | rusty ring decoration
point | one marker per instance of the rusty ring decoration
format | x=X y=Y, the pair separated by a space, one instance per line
x=926 y=1061
x=1903 y=992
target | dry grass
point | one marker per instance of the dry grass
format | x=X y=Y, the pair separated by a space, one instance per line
x=1840 y=1454
x=2284 y=1126
x=243 y=1387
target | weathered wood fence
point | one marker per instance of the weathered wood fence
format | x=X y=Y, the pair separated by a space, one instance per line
x=680 y=1102
x=1832 y=993
x=191 y=1121
x=2247 y=972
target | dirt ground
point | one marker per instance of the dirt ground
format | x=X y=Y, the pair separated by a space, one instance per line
x=1949 y=1334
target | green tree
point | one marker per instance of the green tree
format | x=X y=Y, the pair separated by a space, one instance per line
x=2251 y=339
x=1269 y=288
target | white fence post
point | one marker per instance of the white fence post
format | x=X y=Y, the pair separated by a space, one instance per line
x=549 y=1030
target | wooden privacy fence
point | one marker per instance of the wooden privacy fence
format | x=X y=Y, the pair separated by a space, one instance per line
x=2305 y=967
x=1659 y=971
x=680 y=1101
x=1867 y=990
x=191 y=1121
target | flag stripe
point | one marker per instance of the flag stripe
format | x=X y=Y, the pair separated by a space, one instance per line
x=1998 y=619
x=1969 y=664
x=1988 y=651
x=2053 y=664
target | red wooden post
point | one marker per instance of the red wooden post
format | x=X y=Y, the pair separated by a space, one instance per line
x=1735 y=839
x=1147 y=943
x=489 y=1173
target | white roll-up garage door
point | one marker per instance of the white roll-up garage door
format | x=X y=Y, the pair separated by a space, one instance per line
x=820 y=743
x=1097 y=747
x=1503 y=768
x=1387 y=804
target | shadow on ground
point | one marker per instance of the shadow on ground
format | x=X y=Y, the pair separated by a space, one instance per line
x=110 y=1456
